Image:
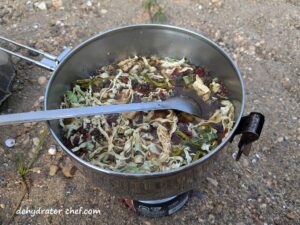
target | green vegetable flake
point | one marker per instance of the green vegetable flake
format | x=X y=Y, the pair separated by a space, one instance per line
x=71 y=97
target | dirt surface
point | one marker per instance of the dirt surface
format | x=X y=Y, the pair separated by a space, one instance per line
x=262 y=36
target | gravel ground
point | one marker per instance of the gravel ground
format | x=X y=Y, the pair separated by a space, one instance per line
x=262 y=36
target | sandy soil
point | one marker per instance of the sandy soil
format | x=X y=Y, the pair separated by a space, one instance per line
x=264 y=39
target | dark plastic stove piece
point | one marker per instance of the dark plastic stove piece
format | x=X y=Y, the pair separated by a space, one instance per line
x=250 y=127
x=159 y=208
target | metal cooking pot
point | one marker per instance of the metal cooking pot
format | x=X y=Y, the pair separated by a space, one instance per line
x=164 y=41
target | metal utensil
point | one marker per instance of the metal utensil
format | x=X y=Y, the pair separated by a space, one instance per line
x=183 y=104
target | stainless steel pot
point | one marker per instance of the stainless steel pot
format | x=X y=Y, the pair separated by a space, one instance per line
x=165 y=41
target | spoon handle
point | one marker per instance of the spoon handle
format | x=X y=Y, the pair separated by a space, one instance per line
x=79 y=112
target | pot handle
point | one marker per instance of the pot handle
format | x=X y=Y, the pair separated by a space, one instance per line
x=250 y=127
x=49 y=62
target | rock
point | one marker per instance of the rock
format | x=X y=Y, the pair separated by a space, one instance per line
x=36 y=170
x=147 y=223
x=89 y=3
x=27 y=125
x=298 y=137
x=245 y=162
x=57 y=4
x=35 y=141
x=10 y=142
x=239 y=39
x=53 y=170
x=103 y=11
x=280 y=139
x=291 y=215
x=42 y=80
x=263 y=206
x=41 y=5
x=2 y=206
x=52 y=150
x=286 y=83
x=251 y=50
x=26 y=140
x=216 y=3
x=69 y=171
x=68 y=168
x=217 y=34
x=41 y=99
x=234 y=155
x=212 y=181
x=211 y=218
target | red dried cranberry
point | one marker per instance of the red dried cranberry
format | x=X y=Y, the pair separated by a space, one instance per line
x=162 y=96
x=199 y=72
x=67 y=143
x=124 y=79
x=144 y=89
x=112 y=118
x=184 y=128
x=96 y=133
x=175 y=139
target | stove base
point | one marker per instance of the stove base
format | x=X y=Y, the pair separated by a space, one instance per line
x=159 y=208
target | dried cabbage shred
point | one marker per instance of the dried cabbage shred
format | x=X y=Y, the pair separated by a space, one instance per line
x=146 y=142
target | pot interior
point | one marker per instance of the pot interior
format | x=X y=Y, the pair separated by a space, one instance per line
x=143 y=40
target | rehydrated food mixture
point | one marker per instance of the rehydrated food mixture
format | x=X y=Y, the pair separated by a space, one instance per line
x=152 y=141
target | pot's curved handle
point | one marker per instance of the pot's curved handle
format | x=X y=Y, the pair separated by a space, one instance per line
x=250 y=127
x=49 y=62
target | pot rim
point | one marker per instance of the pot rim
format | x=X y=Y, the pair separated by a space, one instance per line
x=161 y=173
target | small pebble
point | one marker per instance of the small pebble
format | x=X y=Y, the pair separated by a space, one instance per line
x=89 y=3
x=291 y=215
x=212 y=181
x=234 y=155
x=52 y=150
x=42 y=80
x=27 y=125
x=263 y=206
x=35 y=26
x=41 y=98
x=245 y=162
x=69 y=171
x=68 y=168
x=211 y=218
x=53 y=170
x=2 y=206
x=280 y=139
x=57 y=4
x=103 y=11
x=36 y=170
x=41 y=5
x=26 y=140
x=10 y=142
x=286 y=83
x=35 y=141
